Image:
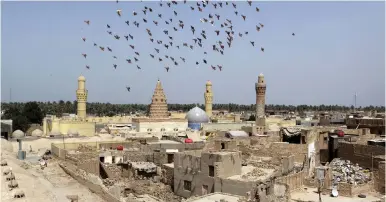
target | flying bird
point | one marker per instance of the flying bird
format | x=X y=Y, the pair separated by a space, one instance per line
x=108 y=26
x=88 y=67
x=262 y=49
x=119 y=12
x=128 y=88
x=243 y=17
x=83 y=38
x=293 y=34
x=115 y=66
x=167 y=69
x=87 y=22
x=253 y=43
x=84 y=55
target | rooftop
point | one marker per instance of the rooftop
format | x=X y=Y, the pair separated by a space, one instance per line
x=164 y=142
x=252 y=173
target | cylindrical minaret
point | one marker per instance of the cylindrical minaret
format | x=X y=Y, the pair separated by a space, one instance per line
x=208 y=95
x=260 y=100
x=81 y=95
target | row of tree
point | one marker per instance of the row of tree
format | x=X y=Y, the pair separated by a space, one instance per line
x=23 y=115
x=107 y=109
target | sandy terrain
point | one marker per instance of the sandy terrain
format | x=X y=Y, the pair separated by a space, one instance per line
x=310 y=195
x=50 y=184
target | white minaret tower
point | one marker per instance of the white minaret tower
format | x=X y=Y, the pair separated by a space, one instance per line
x=81 y=95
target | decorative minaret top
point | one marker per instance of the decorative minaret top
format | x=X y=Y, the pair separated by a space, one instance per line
x=208 y=95
x=81 y=95
x=260 y=97
x=159 y=106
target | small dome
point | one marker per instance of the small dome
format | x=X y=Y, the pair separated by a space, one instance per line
x=18 y=134
x=261 y=75
x=37 y=133
x=81 y=78
x=197 y=115
x=208 y=83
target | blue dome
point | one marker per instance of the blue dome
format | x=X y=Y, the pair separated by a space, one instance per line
x=197 y=115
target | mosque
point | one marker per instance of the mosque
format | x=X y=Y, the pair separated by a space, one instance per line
x=159 y=119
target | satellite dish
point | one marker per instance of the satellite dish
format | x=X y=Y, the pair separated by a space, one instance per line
x=334 y=192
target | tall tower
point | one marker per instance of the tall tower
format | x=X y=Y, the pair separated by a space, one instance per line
x=81 y=95
x=158 y=106
x=260 y=101
x=208 y=95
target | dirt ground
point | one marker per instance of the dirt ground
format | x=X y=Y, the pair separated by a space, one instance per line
x=50 y=184
x=311 y=195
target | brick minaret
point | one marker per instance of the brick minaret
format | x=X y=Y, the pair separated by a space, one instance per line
x=260 y=102
x=81 y=95
x=159 y=106
x=208 y=95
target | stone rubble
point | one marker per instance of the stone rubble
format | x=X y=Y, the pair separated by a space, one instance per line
x=345 y=171
x=256 y=172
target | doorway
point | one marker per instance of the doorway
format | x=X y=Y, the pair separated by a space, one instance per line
x=204 y=189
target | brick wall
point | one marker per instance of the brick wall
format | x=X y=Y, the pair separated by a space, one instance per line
x=294 y=181
x=361 y=154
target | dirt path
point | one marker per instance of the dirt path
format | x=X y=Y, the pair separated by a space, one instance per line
x=50 y=184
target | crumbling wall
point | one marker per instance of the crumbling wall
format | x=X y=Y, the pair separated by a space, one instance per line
x=361 y=154
x=160 y=158
x=294 y=181
x=286 y=149
x=83 y=178
x=235 y=187
x=379 y=178
x=90 y=166
x=187 y=166
x=167 y=175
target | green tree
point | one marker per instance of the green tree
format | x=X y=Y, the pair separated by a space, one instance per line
x=33 y=113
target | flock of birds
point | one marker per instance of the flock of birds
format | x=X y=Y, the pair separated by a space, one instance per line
x=199 y=41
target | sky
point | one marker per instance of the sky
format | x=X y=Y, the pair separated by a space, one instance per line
x=338 y=50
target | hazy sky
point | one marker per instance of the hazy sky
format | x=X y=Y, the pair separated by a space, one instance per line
x=339 y=49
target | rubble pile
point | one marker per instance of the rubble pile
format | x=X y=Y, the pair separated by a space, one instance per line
x=108 y=182
x=158 y=190
x=85 y=148
x=256 y=172
x=346 y=172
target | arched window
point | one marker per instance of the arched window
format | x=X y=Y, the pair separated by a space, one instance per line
x=163 y=129
x=175 y=129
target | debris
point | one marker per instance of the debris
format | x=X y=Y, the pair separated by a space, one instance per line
x=345 y=171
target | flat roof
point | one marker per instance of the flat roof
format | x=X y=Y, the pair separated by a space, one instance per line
x=215 y=198
x=248 y=175
x=165 y=142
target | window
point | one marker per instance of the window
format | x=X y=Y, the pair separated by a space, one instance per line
x=156 y=99
x=222 y=145
x=162 y=129
x=162 y=100
x=211 y=171
x=170 y=158
x=149 y=130
x=187 y=185
x=175 y=129
x=113 y=159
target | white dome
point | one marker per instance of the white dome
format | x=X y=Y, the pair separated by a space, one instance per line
x=197 y=115
x=18 y=134
x=37 y=133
